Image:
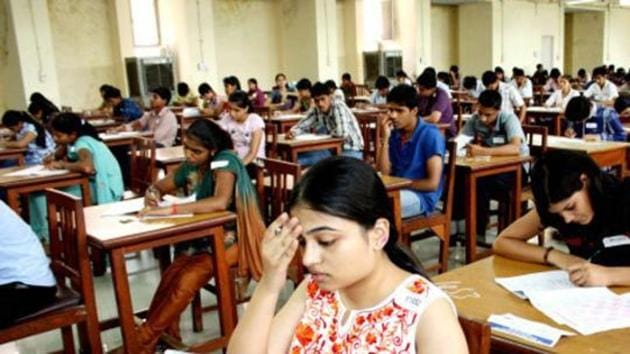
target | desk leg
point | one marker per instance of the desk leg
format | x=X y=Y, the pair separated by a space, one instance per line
x=338 y=150
x=516 y=194
x=123 y=300
x=20 y=160
x=85 y=192
x=12 y=199
x=227 y=305
x=294 y=156
x=556 y=125
x=470 y=183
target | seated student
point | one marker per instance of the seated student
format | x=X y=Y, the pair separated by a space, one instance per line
x=560 y=98
x=247 y=130
x=602 y=90
x=363 y=294
x=43 y=107
x=473 y=87
x=185 y=97
x=625 y=88
x=305 y=101
x=540 y=75
x=217 y=177
x=347 y=86
x=622 y=107
x=231 y=84
x=496 y=133
x=26 y=282
x=379 y=96
x=431 y=71
x=510 y=97
x=329 y=117
x=582 y=77
x=444 y=78
x=105 y=106
x=334 y=90
x=412 y=149
x=586 y=206
x=500 y=73
x=402 y=78
x=553 y=83
x=523 y=84
x=209 y=101
x=255 y=94
x=455 y=78
x=434 y=106
x=280 y=93
x=122 y=107
x=29 y=134
x=589 y=121
x=160 y=119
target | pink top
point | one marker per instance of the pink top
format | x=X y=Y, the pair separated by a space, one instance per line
x=389 y=327
x=243 y=133
x=163 y=125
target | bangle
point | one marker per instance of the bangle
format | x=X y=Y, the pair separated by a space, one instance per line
x=546 y=255
x=174 y=209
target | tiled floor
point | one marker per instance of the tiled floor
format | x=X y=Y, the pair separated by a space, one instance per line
x=144 y=277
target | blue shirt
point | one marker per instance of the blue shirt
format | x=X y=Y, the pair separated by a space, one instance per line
x=605 y=123
x=22 y=257
x=410 y=160
x=34 y=153
x=128 y=109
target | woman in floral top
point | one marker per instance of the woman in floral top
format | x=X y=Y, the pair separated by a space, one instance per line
x=364 y=293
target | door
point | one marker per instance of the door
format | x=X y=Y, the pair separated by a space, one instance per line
x=546 y=53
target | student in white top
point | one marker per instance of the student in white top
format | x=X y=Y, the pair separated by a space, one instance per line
x=473 y=87
x=553 y=83
x=246 y=129
x=602 y=91
x=561 y=98
x=511 y=99
x=402 y=78
x=379 y=96
x=523 y=84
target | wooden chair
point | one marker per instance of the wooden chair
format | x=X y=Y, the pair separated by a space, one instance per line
x=370 y=130
x=264 y=112
x=143 y=171
x=70 y=264
x=440 y=220
x=274 y=183
x=362 y=90
x=477 y=335
x=271 y=140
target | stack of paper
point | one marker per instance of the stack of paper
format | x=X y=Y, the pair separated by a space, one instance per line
x=311 y=137
x=36 y=171
x=522 y=285
x=532 y=331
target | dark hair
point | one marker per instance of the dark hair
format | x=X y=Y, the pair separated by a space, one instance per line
x=470 y=82
x=69 y=123
x=622 y=103
x=381 y=82
x=332 y=86
x=488 y=78
x=111 y=92
x=232 y=81
x=556 y=176
x=490 y=99
x=454 y=69
x=210 y=135
x=182 y=89
x=241 y=99
x=427 y=80
x=555 y=73
x=581 y=72
x=330 y=187
x=599 y=71
x=304 y=84
x=499 y=70
x=253 y=81
x=278 y=75
x=104 y=87
x=401 y=73
x=12 y=118
x=578 y=109
x=403 y=95
x=48 y=107
x=319 y=89
x=519 y=72
x=346 y=76
x=204 y=88
x=164 y=93
x=539 y=66
x=444 y=77
x=429 y=70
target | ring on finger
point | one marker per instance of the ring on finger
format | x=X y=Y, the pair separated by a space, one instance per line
x=277 y=231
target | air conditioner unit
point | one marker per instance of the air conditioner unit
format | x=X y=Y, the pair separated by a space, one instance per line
x=144 y=74
x=385 y=63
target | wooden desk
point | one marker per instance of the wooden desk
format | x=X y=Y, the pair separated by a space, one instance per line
x=393 y=185
x=123 y=138
x=555 y=113
x=604 y=153
x=472 y=169
x=104 y=124
x=12 y=154
x=290 y=149
x=284 y=122
x=117 y=239
x=477 y=296
x=23 y=185
x=169 y=158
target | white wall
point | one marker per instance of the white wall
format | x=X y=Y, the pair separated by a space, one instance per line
x=475 y=38
x=618 y=37
x=444 y=33
x=4 y=55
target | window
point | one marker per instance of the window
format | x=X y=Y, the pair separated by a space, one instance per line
x=144 y=19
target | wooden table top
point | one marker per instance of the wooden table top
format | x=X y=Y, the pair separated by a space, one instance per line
x=368 y=110
x=287 y=117
x=123 y=135
x=542 y=109
x=394 y=183
x=575 y=144
x=323 y=139
x=170 y=154
x=11 y=151
x=13 y=181
x=117 y=231
x=476 y=295
x=487 y=162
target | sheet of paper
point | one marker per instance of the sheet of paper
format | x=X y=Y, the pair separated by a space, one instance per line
x=522 y=285
x=310 y=137
x=190 y=112
x=461 y=141
x=531 y=331
x=36 y=171
x=169 y=200
x=130 y=207
x=106 y=136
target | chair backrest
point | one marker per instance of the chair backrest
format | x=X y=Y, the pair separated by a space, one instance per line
x=70 y=261
x=271 y=139
x=143 y=171
x=531 y=132
x=274 y=183
x=477 y=335
x=264 y=112
x=449 y=179
x=370 y=130
x=362 y=90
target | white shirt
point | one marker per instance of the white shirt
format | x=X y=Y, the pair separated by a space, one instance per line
x=608 y=92
x=510 y=97
x=242 y=133
x=527 y=90
x=477 y=90
x=558 y=100
x=445 y=87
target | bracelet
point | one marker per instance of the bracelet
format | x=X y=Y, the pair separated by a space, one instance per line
x=546 y=256
x=173 y=208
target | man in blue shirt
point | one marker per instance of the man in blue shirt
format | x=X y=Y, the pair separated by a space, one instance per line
x=587 y=119
x=412 y=149
x=26 y=281
x=123 y=107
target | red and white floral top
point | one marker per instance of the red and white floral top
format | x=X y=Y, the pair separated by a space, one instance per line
x=389 y=327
